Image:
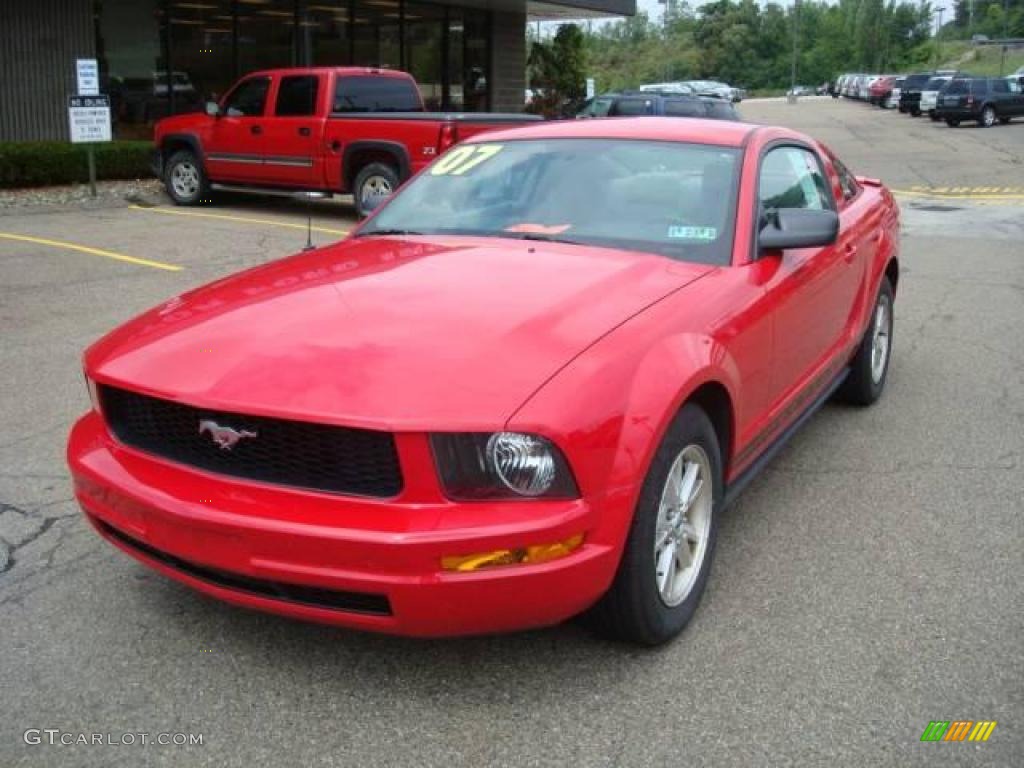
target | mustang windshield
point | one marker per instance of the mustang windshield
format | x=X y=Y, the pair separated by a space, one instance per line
x=673 y=199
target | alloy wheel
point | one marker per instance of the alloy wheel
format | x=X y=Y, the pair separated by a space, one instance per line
x=684 y=525
x=185 y=179
x=880 y=332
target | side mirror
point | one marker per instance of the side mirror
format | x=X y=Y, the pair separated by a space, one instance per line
x=213 y=109
x=785 y=228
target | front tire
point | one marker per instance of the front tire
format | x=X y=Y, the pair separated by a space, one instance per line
x=185 y=180
x=988 y=117
x=373 y=180
x=870 y=367
x=667 y=557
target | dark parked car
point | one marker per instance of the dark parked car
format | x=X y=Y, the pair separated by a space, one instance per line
x=985 y=99
x=634 y=104
x=910 y=92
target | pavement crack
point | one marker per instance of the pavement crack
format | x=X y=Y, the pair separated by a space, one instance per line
x=10 y=546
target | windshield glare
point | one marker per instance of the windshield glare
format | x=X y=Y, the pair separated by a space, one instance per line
x=668 y=198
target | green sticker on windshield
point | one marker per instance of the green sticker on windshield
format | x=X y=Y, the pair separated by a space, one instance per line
x=461 y=159
x=701 y=234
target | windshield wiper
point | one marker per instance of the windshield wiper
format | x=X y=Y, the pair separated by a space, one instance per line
x=539 y=236
x=386 y=232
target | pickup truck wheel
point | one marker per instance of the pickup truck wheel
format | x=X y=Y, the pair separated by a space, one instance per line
x=184 y=179
x=374 y=180
x=932 y=116
x=988 y=117
x=952 y=122
x=870 y=365
x=668 y=552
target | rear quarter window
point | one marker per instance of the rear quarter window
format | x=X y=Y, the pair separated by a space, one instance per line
x=684 y=108
x=627 y=107
x=376 y=94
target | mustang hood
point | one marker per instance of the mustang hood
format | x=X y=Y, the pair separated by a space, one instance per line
x=392 y=333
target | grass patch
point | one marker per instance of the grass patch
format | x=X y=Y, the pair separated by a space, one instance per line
x=983 y=60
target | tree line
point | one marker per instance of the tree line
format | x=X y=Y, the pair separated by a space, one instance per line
x=750 y=45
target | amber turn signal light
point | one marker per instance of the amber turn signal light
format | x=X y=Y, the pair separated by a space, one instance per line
x=537 y=553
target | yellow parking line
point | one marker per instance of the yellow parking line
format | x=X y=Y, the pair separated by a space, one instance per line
x=241 y=219
x=93 y=251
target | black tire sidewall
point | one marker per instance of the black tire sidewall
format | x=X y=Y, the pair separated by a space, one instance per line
x=653 y=622
x=181 y=157
x=372 y=169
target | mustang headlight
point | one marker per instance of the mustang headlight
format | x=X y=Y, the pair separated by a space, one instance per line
x=501 y=465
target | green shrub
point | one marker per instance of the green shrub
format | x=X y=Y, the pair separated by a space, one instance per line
x=41 y=163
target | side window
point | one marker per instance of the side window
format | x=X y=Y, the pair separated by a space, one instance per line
x=600 y=107
x=248 y=99
x=846 y=181
x=979 y=87
x=791 y=178
x=684 y=108
x=296 y=96
x=1000 y=86
x=376 y=94
x=624 y=107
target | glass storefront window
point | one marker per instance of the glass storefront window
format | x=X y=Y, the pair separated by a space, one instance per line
x=266 y=35
x=425 y=51
x=159 y=57
x=129 y=52
x=375 y=34
x=475 y=63
x=325 y=33
x=201 y=42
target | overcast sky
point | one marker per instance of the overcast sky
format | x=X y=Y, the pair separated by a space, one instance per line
x=655 y=10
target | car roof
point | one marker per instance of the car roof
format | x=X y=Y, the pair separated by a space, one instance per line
x=679 y=129
x=346 y=71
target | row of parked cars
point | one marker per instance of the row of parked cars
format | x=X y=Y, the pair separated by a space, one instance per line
x=948 y=95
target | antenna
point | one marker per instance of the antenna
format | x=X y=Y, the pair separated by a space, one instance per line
x=309 y=195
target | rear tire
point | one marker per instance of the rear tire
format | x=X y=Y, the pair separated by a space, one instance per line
x=952 y=122
x=185 y=180
x=870 y=365
x=933 y=117
x=655 y=594
x=1005 y=120
x=373 y=180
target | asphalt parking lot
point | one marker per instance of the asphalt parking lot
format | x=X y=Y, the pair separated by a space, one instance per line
x=867 y=583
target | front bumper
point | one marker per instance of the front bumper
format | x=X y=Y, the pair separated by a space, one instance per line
x=363 y=563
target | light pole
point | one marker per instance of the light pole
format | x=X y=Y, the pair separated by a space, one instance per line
x=938 y=40
x=796 y=18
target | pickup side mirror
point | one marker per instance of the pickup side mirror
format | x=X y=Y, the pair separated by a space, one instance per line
x=213 y=109
x=784 y=228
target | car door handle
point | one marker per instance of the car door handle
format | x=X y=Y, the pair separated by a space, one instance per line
x=304 y=131
x=256 y=129
x=849 y=252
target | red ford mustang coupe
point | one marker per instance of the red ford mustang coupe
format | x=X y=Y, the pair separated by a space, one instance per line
x=524 y=389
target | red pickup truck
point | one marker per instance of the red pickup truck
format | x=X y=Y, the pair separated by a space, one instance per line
x=329 y=129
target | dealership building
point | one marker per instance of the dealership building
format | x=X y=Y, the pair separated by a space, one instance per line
x=160 y=57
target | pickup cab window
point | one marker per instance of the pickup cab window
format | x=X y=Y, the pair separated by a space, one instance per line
x=376 y=94
x=296 y=96
x=248 y=99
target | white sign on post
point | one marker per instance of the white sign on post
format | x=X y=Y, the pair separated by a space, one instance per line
x=88 y=77
x=89 y=118
x=591 y=89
